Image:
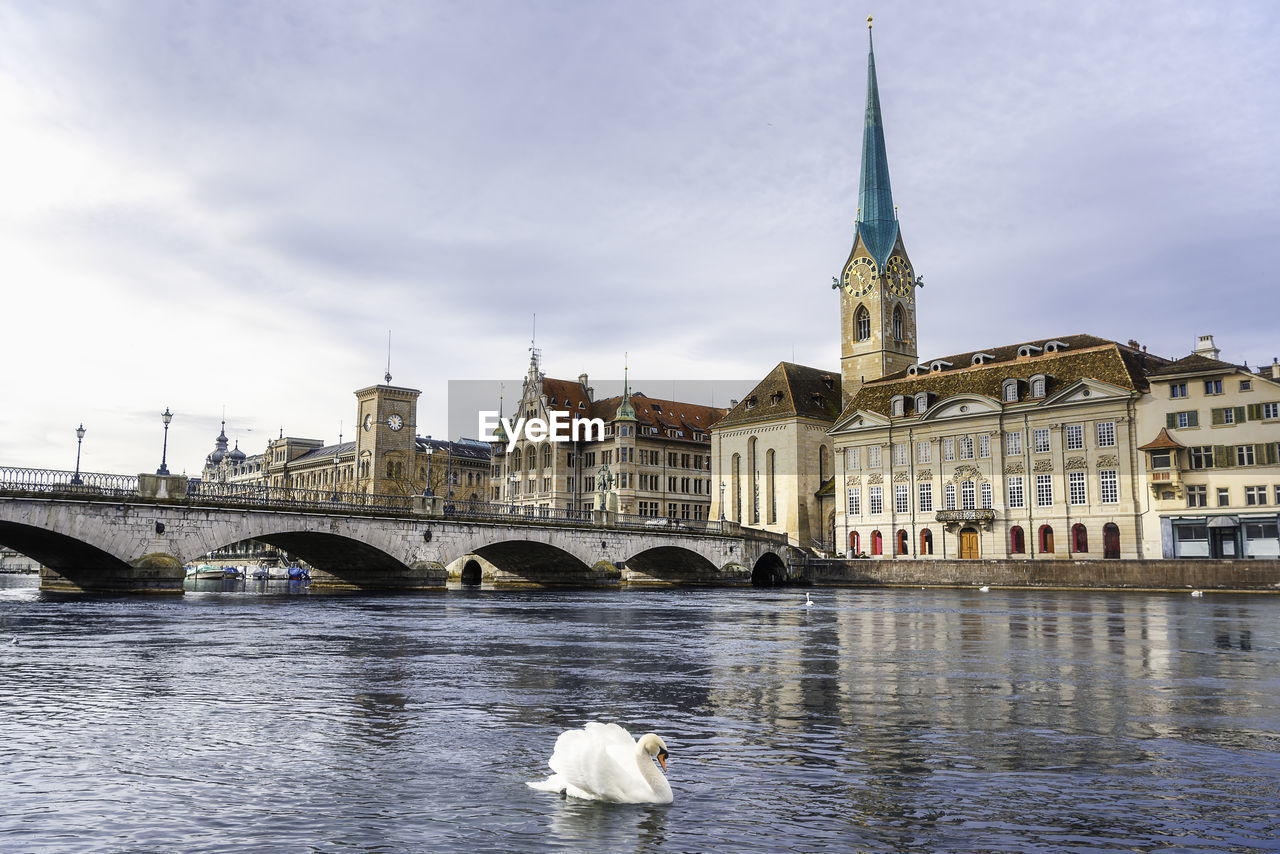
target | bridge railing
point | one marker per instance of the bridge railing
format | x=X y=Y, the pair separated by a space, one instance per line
x=288 y=497
x=67 y=482
x=513 y=512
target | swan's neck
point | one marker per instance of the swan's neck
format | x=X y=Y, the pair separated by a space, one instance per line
x=652 y=775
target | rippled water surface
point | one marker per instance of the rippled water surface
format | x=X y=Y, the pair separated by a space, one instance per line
x=875 y=720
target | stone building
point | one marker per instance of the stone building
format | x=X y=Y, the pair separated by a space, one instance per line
x=1026 y=451
x=652 y=455
x=774 y=458
x=1210 y=463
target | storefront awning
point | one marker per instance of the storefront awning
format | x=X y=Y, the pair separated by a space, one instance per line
x=1224 y=522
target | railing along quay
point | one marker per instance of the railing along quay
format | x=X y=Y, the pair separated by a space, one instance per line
x=67 y=482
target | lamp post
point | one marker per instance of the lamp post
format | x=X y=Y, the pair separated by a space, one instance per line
x=722 y=500
x=429 y=452
x=75 y=480
x=166 y=417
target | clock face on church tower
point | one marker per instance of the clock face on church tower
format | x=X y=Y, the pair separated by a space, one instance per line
x=859 y=276
x=901 y=277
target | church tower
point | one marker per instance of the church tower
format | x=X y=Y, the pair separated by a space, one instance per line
x=877 y=284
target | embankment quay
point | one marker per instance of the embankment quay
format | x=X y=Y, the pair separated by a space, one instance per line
x=137 y=534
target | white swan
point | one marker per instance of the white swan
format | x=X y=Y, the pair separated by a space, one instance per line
x=808 y=603
x=1197 y=592
x=602 y=762
x=984 y=589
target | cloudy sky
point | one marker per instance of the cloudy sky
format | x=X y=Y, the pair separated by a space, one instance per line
x=219 y=206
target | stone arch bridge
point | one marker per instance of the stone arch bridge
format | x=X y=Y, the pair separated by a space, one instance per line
x=141 y=539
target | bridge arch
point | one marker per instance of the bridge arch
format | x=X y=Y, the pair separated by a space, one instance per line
x=541 y=564
x=74 y=564
x=471 y=573
x=671 y=564
x=769 y=571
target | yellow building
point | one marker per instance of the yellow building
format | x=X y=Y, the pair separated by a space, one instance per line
x=1211 y=458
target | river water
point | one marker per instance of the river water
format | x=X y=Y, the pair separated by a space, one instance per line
x=876 y=720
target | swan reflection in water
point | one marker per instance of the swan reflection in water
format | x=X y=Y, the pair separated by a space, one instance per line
x=602 y=762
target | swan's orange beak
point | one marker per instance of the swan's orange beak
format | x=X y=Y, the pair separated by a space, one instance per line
x=662 y=760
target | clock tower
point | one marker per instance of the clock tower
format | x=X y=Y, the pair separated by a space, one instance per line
x=386 y=428
x=877 y=284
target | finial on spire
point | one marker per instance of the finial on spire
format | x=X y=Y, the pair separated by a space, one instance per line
x=388 y=375
x=868 y=22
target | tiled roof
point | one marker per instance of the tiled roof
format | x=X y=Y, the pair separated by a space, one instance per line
x=463 y=449
x=1162 y=441
x=789 y=391
x=1085 y=356
x=326 y=451
x=1194 y=364
x=668 y=416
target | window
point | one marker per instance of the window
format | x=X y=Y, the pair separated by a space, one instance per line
x=984 y=445
x=1037 y=386
x=1255 y=495
x=966 y=447
x=897 y=324
x=900 y=452
x=1073 y=435
x=1278 y=495
x=855 y=501
x=852 y=458
x=1010 y=391
x=873 y=456
x=1246 y=385
x=1178 y=390
x=1213 y=386
x=877 y=543
x=922 y=402
x=926 y=542
x=1017 y=541
x=1224 y=497
x=948 y=449
x=966 y=495
x=986 y=495
x=1075 y=488
x=1040 y=440
x=1013 y=444
x=1079 y=538
x=923 y=450
x=1109 y=486
x=1223 y=415
x=897 y=405
x=902 y=498
x=1014 y=488
x=862 y=323
x=1202 y=457
x=926 y=497
x=1197 y=496
x=1046 y=539
x=1271 y=410
x=1044 y=490
x=1106 y=434
x=1184 y=419
x=1244 y=455
x=949 y=496
x=877 y=501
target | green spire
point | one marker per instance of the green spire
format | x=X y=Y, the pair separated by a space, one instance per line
x=626 y=412
x=876 y=221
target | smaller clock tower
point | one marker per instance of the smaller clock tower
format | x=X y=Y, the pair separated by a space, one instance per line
x=386 y=428
x=878 y=284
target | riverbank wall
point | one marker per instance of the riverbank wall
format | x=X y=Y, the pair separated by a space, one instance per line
x=1259 y=576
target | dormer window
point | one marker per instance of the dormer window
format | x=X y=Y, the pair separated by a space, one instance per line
x=914 y=370
x=1054 y=346
x=829 y=381
x=1037 y=385
x=939 y=365
x=1028 y=350
x=817 y=397
x=1010 y=391
x=922 y=402
x=897 y=405
x=751 y=402
x=775 y=398
x=981 y=358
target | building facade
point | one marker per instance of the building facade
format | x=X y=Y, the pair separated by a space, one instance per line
x=1211 y=458
x=775 y=459
x=652 y=455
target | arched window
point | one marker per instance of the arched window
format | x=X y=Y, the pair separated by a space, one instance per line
x=1079 y=538
x=898 y=334
x=391 y=469
x=877 y=543
x=949 y=493
x=897 y=406
x=515 y=460
x=904 y=542
x=1046 y=539
x=862 y=323
x=824 y=464
x=853 y=543
x=737 y=488
x=771 y=494
x=1017 y=541
x=753 y=480
x=926 y=542
x=1111 y=541
x=546 y=456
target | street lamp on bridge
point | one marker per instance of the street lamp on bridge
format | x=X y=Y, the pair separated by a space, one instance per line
x=166 y=417
x=75 y=479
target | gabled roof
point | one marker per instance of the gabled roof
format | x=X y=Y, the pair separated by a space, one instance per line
x=1083 y=356
x=325 y=451
x=463 y=449
x=1197 y=364
x=789 y=391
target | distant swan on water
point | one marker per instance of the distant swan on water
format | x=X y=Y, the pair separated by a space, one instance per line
x=602 y=762
x=808 y=603
x=1197 y=592
x=984 y=589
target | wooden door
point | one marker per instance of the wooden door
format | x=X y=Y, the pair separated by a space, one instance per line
x=968 y=544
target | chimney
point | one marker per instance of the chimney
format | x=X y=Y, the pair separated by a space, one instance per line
x=732 y=403
x=1204 y=347
x=1275 y=368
